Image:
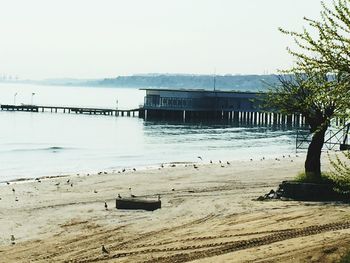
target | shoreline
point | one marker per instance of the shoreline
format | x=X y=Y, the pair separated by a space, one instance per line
x=201 y=208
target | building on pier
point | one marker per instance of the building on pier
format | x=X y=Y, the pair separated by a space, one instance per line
x=193 y=104
x=189 y=105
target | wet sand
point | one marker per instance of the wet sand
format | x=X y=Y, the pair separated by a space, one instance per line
x=207 y=215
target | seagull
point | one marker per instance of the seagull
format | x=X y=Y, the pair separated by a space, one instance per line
x=251 y=159
x=199 y=157
x=71 y=185
x=131 y=193
x=158 y=197
x=106 y=206
x=228 y=162
x=16 y=199
x=172 y=189
x=211 y=161
x=95 y=191
x=104 y=250
x=195 y=166
x=119 y=196
x=123 y=170
x=222 y=166
x=13 y=190
x=162 y=165
x=105 y=172
x=68 y=181
x=57 y=184
x=284 y=156
x=219 y=161
x=13 y=239
x=134 y=169
x=7 y=183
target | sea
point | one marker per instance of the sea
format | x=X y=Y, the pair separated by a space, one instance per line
x=35 y=144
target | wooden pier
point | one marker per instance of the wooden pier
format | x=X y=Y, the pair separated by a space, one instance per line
x=76 y=110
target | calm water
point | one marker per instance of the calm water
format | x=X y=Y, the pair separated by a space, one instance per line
x=38 y=144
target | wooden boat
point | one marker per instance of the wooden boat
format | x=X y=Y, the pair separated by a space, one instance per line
x=137 y=204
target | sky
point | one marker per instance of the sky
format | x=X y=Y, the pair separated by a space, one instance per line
x=106 y=38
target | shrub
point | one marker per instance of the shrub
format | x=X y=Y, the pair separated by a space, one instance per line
x=340 y=174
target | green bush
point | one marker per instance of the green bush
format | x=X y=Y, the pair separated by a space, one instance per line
x=340 y=174
x=345 y=258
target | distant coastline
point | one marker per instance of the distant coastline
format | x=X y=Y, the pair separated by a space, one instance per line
x=222 y=82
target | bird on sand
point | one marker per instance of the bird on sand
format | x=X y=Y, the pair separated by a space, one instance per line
x=7 y=183
x=13 y=190
x=16 y=199
x=106 y=206
x=219 y=161
x=123 y=170
x=199 y=157
x=228 y=162
x=134 y=169
x=131 y=193
x=211 y=161
x=13 y=239
x=104 y=250
x=95 y=191
x=119 y=196
x=195 y=166
x=68 y=181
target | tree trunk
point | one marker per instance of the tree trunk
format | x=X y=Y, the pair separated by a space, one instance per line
x=313 y=158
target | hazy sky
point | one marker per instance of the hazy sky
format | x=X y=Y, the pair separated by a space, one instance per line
x=106 y=38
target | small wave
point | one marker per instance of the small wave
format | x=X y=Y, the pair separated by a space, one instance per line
x=44 y=149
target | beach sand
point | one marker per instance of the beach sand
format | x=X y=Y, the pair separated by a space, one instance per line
x=207 y=215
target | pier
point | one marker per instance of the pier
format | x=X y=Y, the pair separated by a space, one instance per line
x=76 y=110
x=186 y=105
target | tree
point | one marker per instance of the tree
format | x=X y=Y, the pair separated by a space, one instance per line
x=315 y=95
x=326 y=45
x=318 y=85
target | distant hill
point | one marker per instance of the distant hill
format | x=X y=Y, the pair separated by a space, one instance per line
x=226 y=82
x=177 y=81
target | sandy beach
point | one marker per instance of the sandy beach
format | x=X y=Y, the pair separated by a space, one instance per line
x=208 y=215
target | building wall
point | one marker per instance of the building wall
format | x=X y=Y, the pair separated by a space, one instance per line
x=200 y=100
